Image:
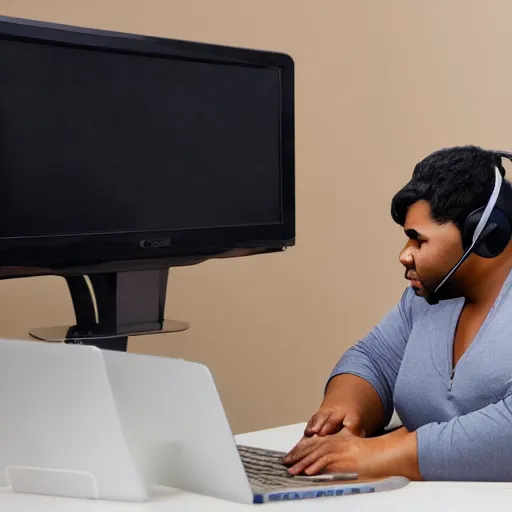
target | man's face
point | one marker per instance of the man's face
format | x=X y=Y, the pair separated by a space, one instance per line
x=431 y=252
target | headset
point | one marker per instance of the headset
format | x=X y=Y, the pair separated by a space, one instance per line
x=488 y=229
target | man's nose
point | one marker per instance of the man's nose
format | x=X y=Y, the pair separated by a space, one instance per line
x=406 y=257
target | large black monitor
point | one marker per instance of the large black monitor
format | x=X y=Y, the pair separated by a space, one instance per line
x=124 y=155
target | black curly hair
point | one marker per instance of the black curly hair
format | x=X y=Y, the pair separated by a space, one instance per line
x=455 y=181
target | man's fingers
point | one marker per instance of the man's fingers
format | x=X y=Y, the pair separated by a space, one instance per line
x=331 y=426
x=299 y=451
x=316 y=423
x=325 y=423
x=309 y=459
x=320 y=464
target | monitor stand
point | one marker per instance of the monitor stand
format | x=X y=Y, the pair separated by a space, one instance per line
x=127 y=304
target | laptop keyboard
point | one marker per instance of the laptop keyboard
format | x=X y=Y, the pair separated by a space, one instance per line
x=265 y=469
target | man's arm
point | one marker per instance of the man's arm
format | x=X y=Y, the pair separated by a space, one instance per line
x=359 y=393
x=473 y=447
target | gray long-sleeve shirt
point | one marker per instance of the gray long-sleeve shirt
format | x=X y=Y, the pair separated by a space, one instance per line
x=463 y=418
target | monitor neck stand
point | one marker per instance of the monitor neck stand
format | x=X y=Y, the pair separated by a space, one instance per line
x=127 y=304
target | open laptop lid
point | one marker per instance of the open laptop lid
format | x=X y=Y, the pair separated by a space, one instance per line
x=176 y=426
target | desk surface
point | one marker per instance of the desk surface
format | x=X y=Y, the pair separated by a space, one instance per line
x=424 y=496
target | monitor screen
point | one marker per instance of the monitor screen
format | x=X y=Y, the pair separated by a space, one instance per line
x=101 y=141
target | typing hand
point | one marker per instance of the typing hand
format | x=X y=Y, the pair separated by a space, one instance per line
x=331 y=419
x=313 y=455
x=388 y=455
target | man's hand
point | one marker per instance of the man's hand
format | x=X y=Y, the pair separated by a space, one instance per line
x=350 y=403
x=393 y=454
x=331 y=419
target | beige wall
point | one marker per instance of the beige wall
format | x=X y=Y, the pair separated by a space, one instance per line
x=379 y=85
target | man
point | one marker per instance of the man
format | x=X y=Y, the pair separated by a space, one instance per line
x=446 y=367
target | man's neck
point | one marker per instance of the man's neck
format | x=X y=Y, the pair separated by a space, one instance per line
x=486 y=284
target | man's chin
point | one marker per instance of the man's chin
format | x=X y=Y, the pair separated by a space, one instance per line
x=418 y=290
x=422 y=292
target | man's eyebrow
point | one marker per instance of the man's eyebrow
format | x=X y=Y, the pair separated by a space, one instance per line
x=413 y=234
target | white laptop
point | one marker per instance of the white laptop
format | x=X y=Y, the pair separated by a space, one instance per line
x=78 y=421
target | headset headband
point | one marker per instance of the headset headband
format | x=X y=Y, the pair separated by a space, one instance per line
x=506 y=154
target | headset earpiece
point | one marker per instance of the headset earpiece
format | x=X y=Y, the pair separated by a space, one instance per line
x=495 y=236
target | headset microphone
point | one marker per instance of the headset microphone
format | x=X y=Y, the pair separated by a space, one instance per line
x=433 y=297
x=488 y=222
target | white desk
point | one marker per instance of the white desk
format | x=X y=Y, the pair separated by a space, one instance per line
x=419 y=497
